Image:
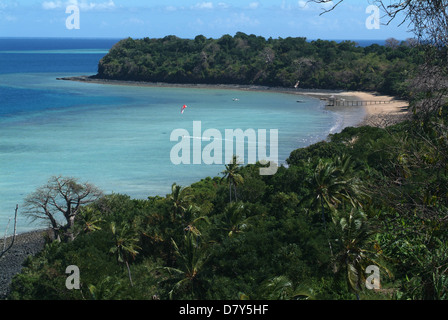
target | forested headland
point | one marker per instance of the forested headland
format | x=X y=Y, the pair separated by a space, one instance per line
x=365 y=197
x=254 y=60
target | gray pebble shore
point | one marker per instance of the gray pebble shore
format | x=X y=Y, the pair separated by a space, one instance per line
x=25 y=244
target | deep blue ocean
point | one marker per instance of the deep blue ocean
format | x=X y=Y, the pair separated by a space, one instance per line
x=118 y=137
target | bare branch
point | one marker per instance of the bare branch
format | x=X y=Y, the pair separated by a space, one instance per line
x=13 y=236
x=324 y=2
x=61 y=196
x=428 y=19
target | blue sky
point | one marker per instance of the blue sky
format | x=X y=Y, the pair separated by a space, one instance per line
x=188 y=18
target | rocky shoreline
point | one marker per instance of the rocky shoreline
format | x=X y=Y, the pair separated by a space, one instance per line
x=298 y=91
x=25 y=244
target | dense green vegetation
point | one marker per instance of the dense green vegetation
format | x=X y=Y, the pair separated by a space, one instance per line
x=364 y=197
x=254 y=60
x=367 y=196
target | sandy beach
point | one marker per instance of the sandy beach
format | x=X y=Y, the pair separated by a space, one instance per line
x=378 y=115
x=381 y=115
x=381 y=110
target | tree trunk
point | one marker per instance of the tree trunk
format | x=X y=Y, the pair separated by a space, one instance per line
x=323 y=212
x=129 y=272
x=69 y=233
x=54 y=227
x=230 y=192
x=325 y=225
x=13 y=236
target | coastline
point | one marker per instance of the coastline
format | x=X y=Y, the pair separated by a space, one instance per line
x=376 y=115
x=243 y=87
x=380 y=115
x=25 y=244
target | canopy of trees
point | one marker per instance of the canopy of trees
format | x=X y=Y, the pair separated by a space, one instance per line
x=364 y=197
x=254 y=60
x=367 y=196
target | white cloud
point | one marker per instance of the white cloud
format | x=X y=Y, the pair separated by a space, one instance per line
x=254 y=5
x=10 y=18
x=238 y=20
x=50 y=5
x=8 y=4
x=171 y=8
x=83 y=5
x=97 y=6
x=133 y=21
x=305 y=5
x=285 y=6
x=223 y=5
x=204 y=5
x=244 y=20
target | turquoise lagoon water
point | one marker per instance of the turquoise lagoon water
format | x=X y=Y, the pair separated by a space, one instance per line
x=118 y=137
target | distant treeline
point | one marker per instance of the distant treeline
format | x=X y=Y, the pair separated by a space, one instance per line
x=254 y=60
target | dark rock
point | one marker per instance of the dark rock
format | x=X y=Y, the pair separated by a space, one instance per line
x=25 y=244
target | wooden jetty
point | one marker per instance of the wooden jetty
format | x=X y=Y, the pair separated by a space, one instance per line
x=333 y=102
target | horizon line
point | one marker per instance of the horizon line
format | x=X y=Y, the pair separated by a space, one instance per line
x=125 y=37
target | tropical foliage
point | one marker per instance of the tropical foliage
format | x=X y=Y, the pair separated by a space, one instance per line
x=364 y=197
x=311 y=234
x=254 y=60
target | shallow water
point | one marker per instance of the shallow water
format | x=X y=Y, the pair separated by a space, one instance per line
x=118 y=137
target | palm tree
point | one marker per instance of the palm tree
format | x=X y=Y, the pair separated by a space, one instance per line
x=125 y=245
x=325 y=190
x=106 y=289
x=353 y=188
x=281 y=288
x=234 y=219
x=179 y=198
x=355 y=239
x=192 y=258
x=89 y=219
x=233 y=176
x=333 y=184
x=192 y=217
